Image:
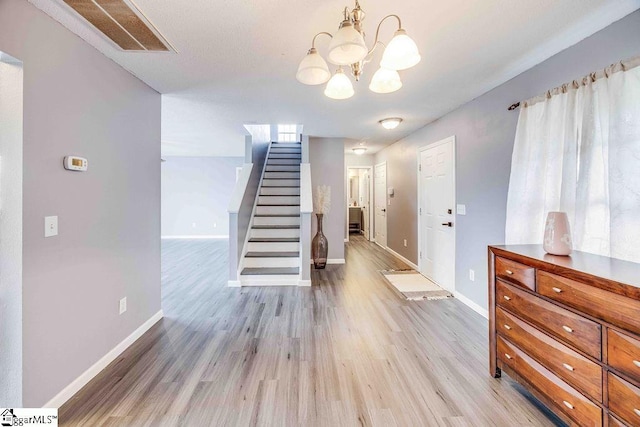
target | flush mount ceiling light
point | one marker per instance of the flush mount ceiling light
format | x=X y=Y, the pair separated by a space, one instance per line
x=390 y=123
x=359 y=150
x=348 y=48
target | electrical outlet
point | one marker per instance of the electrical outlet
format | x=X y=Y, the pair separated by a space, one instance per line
x=461 y=209
x=193 y=225
x=123 y=305
x=405 y=243
x=472 y=275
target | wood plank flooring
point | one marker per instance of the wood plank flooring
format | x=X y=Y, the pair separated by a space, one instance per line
x=345 y=352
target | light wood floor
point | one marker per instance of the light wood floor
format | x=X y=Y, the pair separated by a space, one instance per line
x=346 y=352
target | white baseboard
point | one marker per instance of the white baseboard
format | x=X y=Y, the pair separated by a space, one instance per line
x=208 y=236
x=75 y=386
x=346 y=240
x=472 y=305
x=304 y=282
x=333 y=261
x=233 y=283
x=401 y=258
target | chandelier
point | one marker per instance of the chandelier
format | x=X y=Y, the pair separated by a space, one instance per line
x=348 y=49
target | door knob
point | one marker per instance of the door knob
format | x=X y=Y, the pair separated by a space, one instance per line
x=448 y=224
x=384 y=210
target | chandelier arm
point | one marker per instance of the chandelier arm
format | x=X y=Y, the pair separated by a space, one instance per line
x=380 y=24
x=313 y=42
x=370 y=53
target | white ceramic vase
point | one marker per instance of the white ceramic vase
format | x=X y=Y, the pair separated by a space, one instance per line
x=557 y=234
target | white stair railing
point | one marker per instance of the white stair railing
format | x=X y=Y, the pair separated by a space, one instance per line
x=306 y=210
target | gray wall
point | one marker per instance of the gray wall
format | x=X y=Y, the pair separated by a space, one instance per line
x=326 y=158
x=197 y=190
x=11 y=234
x=485 y=131
x=76 y=101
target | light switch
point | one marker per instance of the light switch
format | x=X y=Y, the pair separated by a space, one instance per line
x=461 y=209
x=50 y=226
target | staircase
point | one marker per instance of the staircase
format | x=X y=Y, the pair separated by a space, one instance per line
x=273 y=247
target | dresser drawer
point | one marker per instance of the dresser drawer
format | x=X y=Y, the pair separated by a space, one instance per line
x=614 y=422
x=506 y=353
x=516 y=273
x=624 y=399
x=613 y=308
x=573 y=328
x=567 y=399
x=566 y=363
x=623 y=353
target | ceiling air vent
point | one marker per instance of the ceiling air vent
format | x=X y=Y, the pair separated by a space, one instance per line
x=123 y=23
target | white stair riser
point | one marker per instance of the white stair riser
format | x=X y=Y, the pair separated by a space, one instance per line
x=285 y=151
x=282 y=220
x=271 y=262
x=279 y=200
x=281 y=182
x=286 y=145
x=275 y=232
x=280 y=191
x=273 y=246
x=283 y=168
x=277 y=210
x=283 y=162
x=269 y=280
x=286 y=175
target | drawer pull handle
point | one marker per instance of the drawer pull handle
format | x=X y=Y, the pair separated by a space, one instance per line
x=507 y=298
x=566 y=328
x=637 y=411
x=637 y=363
x=508 y=356
x=556 y=290
x=568 y=367
x=507 y=327
x=567 y=404
x=508 y=272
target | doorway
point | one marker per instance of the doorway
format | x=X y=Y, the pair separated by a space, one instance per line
x=436 y=217
x=380 y=203
x=359 y=197
x=11 y=225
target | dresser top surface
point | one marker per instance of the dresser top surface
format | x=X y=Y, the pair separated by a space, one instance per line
x=613 y=269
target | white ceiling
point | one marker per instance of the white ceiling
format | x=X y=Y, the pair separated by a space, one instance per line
x=237 y=60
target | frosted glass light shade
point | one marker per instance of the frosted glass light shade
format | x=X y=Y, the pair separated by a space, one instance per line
x=385 y=81
x=339 y=87
x=390 y=123
x=313 y=69
x=347 y=46
x=401 y=52
x=359 y=151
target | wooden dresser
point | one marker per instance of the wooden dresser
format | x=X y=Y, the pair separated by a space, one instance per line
x=568 y=329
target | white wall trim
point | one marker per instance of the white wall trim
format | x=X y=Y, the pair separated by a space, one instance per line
x=304 y=282
x=472 y=305
x=333 y=261
x=75 y=386
x=234 y=284
x=401 y=258
x=206 y=236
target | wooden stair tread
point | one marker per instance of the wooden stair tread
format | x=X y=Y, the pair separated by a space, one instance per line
x=272 y=254
x=276 y=227
x=270 y=271
x=276 y=216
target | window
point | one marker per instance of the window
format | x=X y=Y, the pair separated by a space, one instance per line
x=287 y=133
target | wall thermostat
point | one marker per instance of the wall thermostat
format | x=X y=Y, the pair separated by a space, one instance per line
x=75 y=163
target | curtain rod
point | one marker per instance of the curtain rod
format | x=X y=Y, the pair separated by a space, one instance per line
x=625 y=65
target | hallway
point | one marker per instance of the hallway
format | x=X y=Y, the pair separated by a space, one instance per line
x=347 y=351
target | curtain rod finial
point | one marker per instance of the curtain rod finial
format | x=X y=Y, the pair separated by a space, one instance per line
x=514 y=106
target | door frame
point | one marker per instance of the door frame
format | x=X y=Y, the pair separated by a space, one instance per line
x=371 y=211
x=386 y=199
x=451 y=139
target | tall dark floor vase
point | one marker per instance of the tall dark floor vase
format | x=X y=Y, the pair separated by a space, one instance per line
x=319 y=246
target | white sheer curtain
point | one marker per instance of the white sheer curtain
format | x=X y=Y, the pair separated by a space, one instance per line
x=577 y=150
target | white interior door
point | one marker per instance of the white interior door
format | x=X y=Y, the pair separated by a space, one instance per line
x=437 y=204
x=380 y=196
x=365 y=203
